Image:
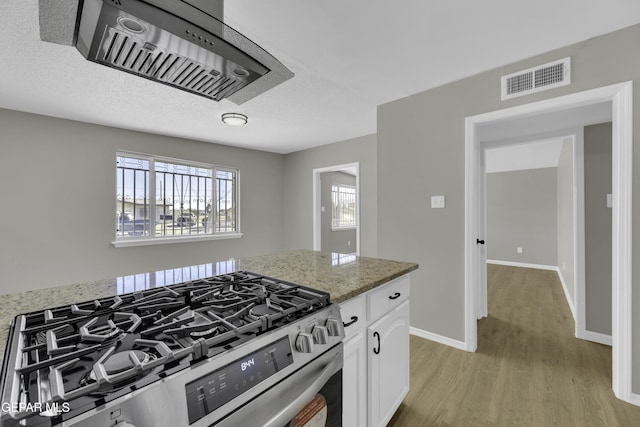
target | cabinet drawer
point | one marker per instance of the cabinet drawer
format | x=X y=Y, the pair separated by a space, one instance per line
x=353 y=315
x=387 y=297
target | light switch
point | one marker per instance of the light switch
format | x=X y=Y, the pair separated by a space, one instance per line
x=609 y=200
x=437 y=202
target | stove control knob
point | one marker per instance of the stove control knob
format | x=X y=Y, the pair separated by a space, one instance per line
x=320 y=334
x=333 y=327
x=304 y=342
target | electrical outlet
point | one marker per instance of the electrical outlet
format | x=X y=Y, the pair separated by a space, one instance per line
x=348 y=242
x=519 y=250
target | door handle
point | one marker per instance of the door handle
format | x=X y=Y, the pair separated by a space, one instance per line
x=353 y=320
x=377 y=350
x=290 y=411
x=479 y=242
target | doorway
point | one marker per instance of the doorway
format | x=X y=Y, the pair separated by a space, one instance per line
x=618 y=99
x=336 y=209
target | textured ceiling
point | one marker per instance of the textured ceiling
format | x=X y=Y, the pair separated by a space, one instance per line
x=348 y=57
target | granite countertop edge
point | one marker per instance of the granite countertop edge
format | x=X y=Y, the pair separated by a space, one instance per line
x=365 y=288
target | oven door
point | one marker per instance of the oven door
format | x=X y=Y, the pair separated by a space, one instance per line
x=309 y=397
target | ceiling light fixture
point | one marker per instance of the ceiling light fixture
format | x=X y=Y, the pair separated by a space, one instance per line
x=235 y=119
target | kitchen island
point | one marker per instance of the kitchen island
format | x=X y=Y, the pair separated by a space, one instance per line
x=343 y=276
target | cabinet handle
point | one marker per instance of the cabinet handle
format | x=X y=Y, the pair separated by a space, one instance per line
x=377 y=350
x=395 y=296
x=353 y=320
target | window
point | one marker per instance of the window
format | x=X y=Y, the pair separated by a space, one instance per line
x=343 y=206
x=166 y=198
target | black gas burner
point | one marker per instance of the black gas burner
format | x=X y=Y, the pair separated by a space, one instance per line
x=262 y=310
x=97 y=350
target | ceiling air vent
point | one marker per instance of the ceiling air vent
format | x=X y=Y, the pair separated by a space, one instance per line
x=536 y=79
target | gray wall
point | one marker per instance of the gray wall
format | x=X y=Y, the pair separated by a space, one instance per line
x=565 y=216
x=421 y=153
x=298 y=195
x=56 y=221
x=597 y=183
x=522 y=212
x=57 y=213
x=340 y=241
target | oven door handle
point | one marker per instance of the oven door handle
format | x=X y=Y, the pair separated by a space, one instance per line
x=291 y=410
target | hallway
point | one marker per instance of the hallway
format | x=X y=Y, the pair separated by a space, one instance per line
x=529 y=369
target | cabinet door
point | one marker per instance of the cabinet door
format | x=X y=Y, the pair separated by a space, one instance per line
x=354 y=382
x=388 y=364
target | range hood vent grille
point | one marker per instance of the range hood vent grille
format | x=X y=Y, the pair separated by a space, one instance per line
x=179 y=44
x=128 y=53
x=543 y=77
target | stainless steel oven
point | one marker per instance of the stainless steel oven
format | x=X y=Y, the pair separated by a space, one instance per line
x=236 y=350
x=310 y=397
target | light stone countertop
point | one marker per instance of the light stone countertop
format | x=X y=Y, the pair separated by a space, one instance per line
x=343 y=276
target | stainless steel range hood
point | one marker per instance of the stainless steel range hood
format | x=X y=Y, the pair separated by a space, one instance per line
x=180 y=43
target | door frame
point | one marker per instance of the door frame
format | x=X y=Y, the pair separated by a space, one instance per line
x=317 y=203
x=620 y=96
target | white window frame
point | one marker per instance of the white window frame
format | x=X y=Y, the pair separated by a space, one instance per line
x=152 y=239
x=355 y=216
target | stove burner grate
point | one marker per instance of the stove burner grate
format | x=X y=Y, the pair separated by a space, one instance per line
x=97 y=350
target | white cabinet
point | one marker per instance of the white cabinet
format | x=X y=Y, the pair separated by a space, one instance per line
x=354 y=384
x=388 y=364
x=385 y=298
x=375 y=374
x=354 y=370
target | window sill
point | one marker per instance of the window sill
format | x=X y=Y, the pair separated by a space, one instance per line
x=343 y=228
x=124 y=243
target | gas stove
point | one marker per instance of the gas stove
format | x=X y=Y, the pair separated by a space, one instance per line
x=84 y=362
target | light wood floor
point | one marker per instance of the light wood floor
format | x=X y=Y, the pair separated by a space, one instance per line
x=529 y=369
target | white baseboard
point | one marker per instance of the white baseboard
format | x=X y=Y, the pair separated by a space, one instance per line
x=595 y=337
x=635 y=399
x=583 y=334
x=567 y=296
x=522 y=264
x=438 y=338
